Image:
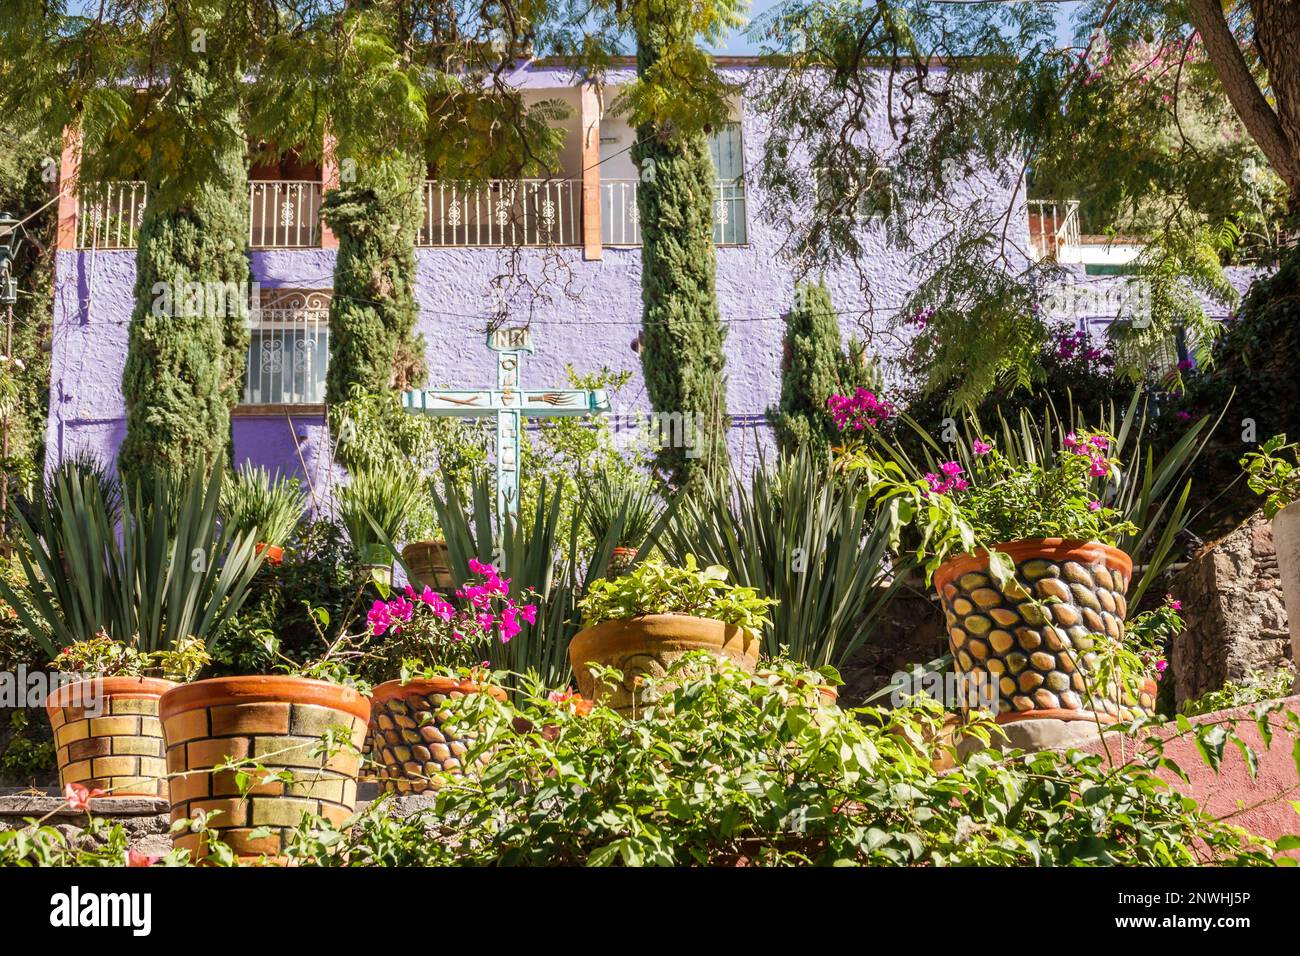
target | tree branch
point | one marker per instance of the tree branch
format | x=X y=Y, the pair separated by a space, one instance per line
x=1243 y=93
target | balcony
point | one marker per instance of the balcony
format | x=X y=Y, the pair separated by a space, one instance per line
x=109 y=215
x=620 y=223
x=529 y=212
x=288 y=348
x=284 y=214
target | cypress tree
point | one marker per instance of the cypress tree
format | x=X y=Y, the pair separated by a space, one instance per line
x=812 y=369
x=373 y=313
x=681 y=350
x=188 y=339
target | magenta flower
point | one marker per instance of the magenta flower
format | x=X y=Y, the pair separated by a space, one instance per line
x=981 y=447
x=1094 y=505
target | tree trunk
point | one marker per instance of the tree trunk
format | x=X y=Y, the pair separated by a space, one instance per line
x=1275 y=131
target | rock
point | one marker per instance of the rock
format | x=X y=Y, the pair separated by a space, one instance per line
x=1234 y=612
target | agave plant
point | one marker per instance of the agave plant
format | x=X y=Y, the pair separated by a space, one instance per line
x=163 y=571
x=802 y=535
x=537 y=550
x=375 y=505
x=253 y=501
x=628 y=502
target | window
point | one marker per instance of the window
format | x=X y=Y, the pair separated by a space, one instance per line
x=729 y=215
x=288 y=348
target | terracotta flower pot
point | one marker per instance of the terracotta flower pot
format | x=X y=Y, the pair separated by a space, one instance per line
x=107 y=735
x=620 y=560
x=648 y=646
x=279 y=721
x=274 y=553
x=430 y=562
x=413 y=736
x=1037 y=655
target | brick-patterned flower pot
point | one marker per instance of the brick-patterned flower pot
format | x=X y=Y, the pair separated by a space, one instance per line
x=279 y=722
x=107 y=735
x=648 y=646
x=1038 y=654
x=413 y=736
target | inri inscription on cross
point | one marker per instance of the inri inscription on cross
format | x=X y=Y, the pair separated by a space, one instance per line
x=510 y=402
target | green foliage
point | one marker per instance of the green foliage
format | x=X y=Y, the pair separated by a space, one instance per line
x=187 y=343
x=629 y=499
x=682 y=333
x=540 y=551
x=105 y=657
x=162 y=572
x=1271 y=475
x=813 y=369
x=1253 y=378
x=253 y=501
x=654 y=587
x=1149 y=494
x=732 y=769
x=319 y=573
x=373 y=311
x=24 y=375
x=1257 y=687
x=804 y=537
x=376 y=504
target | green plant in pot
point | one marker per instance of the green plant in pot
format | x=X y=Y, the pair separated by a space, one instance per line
x=1022 y=551
x=626 y=506
x=118 y=587
x=255 y=501
x=418 y=733
x=642 y=622
x=374 y=507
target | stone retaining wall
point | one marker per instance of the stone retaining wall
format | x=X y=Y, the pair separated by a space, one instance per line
x=1232 y=604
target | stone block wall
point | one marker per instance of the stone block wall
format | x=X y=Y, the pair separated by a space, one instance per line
x=1232 y=605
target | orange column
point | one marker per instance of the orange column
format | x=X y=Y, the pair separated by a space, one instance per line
x=589 y=119
x=329 y=179
x=69 y=168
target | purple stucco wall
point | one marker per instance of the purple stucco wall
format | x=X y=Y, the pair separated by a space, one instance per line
x=582 y=313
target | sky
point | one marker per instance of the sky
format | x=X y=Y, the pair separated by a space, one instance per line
x=738 y=44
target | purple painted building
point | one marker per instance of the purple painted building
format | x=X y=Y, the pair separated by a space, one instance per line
x=569 y=245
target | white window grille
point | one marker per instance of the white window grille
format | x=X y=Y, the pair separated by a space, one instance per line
x=288 y=348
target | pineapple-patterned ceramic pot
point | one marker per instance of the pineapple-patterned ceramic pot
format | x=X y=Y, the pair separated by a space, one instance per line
x=1033 y=640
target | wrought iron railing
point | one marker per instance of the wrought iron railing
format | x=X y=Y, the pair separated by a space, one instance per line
x=620 y=221
x=529 y=212
x=283 y=214
x=1053 y=227
x=109 y=215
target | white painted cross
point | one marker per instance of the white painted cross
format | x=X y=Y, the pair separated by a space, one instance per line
x=510 y=403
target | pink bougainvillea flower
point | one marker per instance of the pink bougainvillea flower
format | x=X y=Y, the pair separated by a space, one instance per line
x=529 y=611
x=1174 y=605
x=1094 y=505
x=951 y=469
x=981 y=447
x=136 y=858
x=79 y=797
x=478 y=567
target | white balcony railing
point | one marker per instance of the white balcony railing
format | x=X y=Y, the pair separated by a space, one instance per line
x=529 y=212
x=620 y=222
x=288 y=349
x=283 y=214
x=109 y=215
x=1053 y=228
